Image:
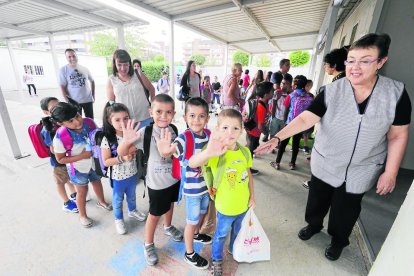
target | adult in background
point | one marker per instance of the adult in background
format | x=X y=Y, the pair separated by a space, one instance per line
x=251 y=90
x=137 y=64
x=361 y=139
x=230 y=97
x=334 y=63
x=28 y=80
x=131 y=88
x=73 y=80
x=191 y=80
x=269 y=76
x=246 y=80
x=284 y=67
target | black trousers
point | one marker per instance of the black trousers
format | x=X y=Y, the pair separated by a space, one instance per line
x=344 y=210
x=295 y=148
x=30 y=88
x=252 y=142
x=87 y=109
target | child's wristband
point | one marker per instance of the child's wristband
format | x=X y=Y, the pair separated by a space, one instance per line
x=120 y=161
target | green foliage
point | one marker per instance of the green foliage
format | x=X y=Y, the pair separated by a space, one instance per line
x=153 y=70
x=241 y=57
x=159 y=58
x=299 y=58
x=263 y=61
x=198 y=59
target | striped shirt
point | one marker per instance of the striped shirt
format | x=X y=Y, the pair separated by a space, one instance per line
x=194 y=184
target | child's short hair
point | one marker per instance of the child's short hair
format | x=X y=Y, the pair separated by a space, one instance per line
x=300 y=81
x=44 y=103
x=229 y=113
x=164 y=98
x=264 y=88
x=197 y=101
x=309 y=82
x=63 y=112
x=206 y=77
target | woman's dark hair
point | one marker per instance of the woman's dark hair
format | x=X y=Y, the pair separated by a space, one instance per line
x=123 y=57
x=380 y=41
x=336 y=59
x=44 y=103
x=197 y=101
x=264 y=88
x=300 y=81
x=246 y=71
x=259 y=76
x=187 y=69
x=269 y=76
x=63 y=112
x=137 y=61
x=107 y=129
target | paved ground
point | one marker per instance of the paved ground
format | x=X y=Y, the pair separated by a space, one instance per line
x=38 y=238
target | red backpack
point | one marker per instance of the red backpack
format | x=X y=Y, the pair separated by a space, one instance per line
x=39 y=145
x=67 y=141
x=177 y=170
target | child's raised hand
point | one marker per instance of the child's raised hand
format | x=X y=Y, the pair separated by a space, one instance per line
x=217 y=145
x=164 y=143
x=130 y=133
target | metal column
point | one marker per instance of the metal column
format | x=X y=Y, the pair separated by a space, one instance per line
x=54 y=56
x=17 y=76
x=172 y=69
x=226 y=59
x=121 y=37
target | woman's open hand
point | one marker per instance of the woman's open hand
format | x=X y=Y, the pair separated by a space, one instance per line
x=386 y=183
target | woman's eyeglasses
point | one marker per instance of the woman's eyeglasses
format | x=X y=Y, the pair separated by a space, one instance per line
x=362 y=63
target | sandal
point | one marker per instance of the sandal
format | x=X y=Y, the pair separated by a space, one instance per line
x=86 y=222
x=107 y=207
x=275 y=165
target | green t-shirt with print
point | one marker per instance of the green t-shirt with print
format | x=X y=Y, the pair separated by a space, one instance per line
x=232 y=195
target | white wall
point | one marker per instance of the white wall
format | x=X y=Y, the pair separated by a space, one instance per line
x=96 y=65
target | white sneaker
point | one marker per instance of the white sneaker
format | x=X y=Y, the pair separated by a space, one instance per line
x=120 y=226
x=137 y=215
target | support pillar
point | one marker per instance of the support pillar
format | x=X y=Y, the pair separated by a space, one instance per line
x=121 y=38
x=54 y=56
x=226 y=59
x=171 y=61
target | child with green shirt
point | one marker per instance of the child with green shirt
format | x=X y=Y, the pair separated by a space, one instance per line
x=235 y=193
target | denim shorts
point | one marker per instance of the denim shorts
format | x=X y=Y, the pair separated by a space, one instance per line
x=82 y=179
x=196 y=206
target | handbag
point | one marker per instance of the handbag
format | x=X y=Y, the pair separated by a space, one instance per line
x=147 y=93
x=251 y=243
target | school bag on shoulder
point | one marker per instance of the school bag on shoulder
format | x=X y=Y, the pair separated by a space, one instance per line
x=249 y=114
x=301 y=103
x=67 y=141
x=214 y=180
x=39 y=145
x=142 y=155
x=179 y=169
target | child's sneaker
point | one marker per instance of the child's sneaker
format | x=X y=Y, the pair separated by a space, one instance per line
x=137 y=215
x=70 y=206
x=202 y=238
x=120 y=226
x=217 y=268
x=150 y=254
x=176 y=234
x=73 y=197
x=196 y=260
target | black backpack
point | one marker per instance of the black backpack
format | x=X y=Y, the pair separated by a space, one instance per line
x=251 y=110
x=143 y=155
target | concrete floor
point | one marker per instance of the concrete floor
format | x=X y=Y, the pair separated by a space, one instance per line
x=38 y=238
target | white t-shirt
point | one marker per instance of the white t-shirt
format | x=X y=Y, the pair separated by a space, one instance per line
x=159 y=170
x=75 y=80
x=124 y=170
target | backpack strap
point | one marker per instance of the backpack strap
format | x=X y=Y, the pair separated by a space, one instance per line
x=67 y=142
x=90 y=123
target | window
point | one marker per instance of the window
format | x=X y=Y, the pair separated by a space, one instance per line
x=354 y=29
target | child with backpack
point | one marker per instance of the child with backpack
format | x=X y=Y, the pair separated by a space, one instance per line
x=295 y=103
x=193 y=186
x=163 y=85
x=206 y=90
x=163 y=189
x=123 y=176
x=60 y=174
x=72 y=147
x=226 y=168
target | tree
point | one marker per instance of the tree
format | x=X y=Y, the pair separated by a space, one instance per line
x=241 y=57
x=198 y=59
x=299 y=58
x=263 y=61
x=159 y=58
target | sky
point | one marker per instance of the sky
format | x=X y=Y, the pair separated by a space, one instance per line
x=157 y=26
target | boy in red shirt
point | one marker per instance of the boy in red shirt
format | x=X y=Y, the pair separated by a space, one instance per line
x=264 y=92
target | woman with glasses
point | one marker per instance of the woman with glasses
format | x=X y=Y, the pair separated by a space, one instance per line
x=130 y=87
x=361 y=139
